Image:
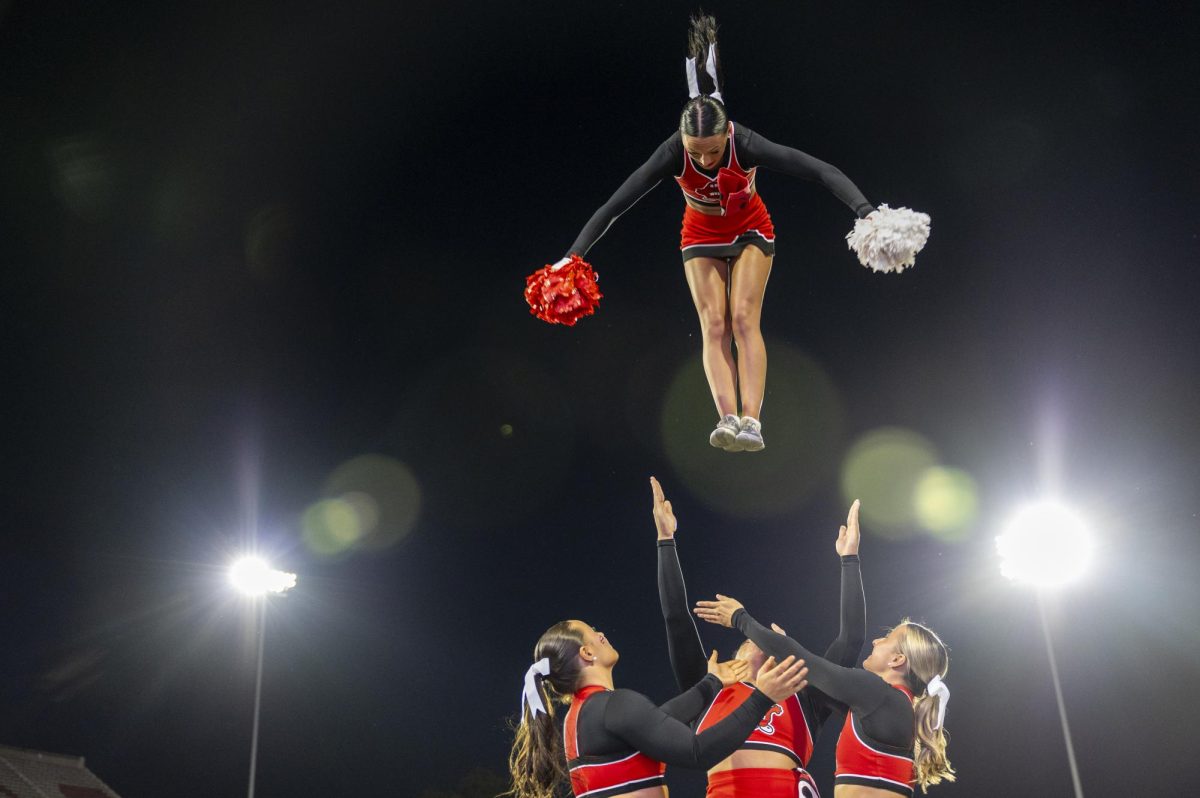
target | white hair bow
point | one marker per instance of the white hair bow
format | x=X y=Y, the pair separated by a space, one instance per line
x=710 y=66
x=531 y=695
x=937 y=687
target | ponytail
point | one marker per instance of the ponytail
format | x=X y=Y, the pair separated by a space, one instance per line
x=927 y=658
x=536 y=763
x=704 y=115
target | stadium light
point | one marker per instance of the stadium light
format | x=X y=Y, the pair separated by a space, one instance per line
x=251 y=576
x=1048 y=546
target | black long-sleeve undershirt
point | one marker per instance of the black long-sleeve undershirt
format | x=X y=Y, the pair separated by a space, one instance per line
x=884 y=712
x=620 y=720
x=686 y=651
x=752 y=150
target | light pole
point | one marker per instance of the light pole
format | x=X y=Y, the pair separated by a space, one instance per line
x=1047 y=546
x=253 y=578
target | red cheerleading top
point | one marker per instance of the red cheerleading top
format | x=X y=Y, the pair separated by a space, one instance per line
x=746 y=148
x=784 y=729
x=869 y=763
x=629 y=741
x=599 y=776
x=729 y=189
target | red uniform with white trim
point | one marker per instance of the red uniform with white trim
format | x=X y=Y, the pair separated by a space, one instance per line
x=743 y=213
x=604 y=776
x=862 y=761
x=784 y=729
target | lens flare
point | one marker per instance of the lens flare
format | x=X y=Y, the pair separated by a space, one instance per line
x=883 y=468
x=372 y=502
x=946 y=503
x=802 y=424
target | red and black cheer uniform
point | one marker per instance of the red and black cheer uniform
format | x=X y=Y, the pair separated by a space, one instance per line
x=862 y=760
x=789 y=727
x=875 y=748
x=617 y=741
x=744 y=219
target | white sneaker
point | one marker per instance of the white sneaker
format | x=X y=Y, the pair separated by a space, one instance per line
x=725 y=436
x=749 y=437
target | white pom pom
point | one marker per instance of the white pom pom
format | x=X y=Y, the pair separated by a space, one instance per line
x=889 y=239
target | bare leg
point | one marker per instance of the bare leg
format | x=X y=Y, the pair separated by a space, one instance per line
x=750 y=274
x=707 y=278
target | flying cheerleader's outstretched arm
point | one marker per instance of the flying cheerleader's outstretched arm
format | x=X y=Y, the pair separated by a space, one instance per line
x=764 y=152
x=658 y=166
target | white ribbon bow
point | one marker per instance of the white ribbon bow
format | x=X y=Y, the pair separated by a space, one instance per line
x=710 y=66
x=531 y=695
x=937 y=687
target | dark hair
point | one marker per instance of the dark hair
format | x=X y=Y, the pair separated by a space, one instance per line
x=704 y=115
x=536 y=763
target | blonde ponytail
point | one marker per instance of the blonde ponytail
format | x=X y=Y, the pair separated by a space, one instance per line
x=927 y=657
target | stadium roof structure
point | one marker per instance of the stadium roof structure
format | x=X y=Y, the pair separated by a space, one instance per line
x=37 y=774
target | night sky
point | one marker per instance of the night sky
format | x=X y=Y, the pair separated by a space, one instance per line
x=262 y=281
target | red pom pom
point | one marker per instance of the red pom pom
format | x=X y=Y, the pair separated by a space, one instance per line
x=565 y=295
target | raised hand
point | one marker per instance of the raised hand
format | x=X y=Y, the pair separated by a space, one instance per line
x=664 y=516
x=720 y=611
x=848 y=535
x=730 y=672
x=780 y=680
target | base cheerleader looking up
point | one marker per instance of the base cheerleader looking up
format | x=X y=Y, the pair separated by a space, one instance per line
x=617 y=742
x=728 y=239
x=893 y=737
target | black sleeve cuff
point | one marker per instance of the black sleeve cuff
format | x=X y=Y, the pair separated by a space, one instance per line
x=850 y=558
x=668 y=542
x=863 y=210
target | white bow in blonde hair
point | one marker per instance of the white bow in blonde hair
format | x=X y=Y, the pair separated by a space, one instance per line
x=937 y=687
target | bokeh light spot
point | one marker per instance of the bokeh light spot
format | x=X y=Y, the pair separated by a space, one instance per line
x=372 y=503
x=802 y=424
x=506 y=430
x=331 y=526
x=946 y=503
x=883 y=468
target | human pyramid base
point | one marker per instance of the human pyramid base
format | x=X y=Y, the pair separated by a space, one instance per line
x=750 y=721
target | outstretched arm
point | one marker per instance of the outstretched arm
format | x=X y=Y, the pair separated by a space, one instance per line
x=660 y=165
x=683 y=639
x=799 y=164
x=688 y=705
x=632 y=718
x=852 y=631
x=853 y=687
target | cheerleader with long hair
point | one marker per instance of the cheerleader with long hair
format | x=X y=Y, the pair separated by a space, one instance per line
x=894 y=736
x=728 y=239
x=617 y=742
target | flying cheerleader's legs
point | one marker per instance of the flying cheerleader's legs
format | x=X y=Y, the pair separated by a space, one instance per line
x=708 y=279
x=749 y=282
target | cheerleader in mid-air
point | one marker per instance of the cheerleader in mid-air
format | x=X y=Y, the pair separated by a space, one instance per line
x=728 y=240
